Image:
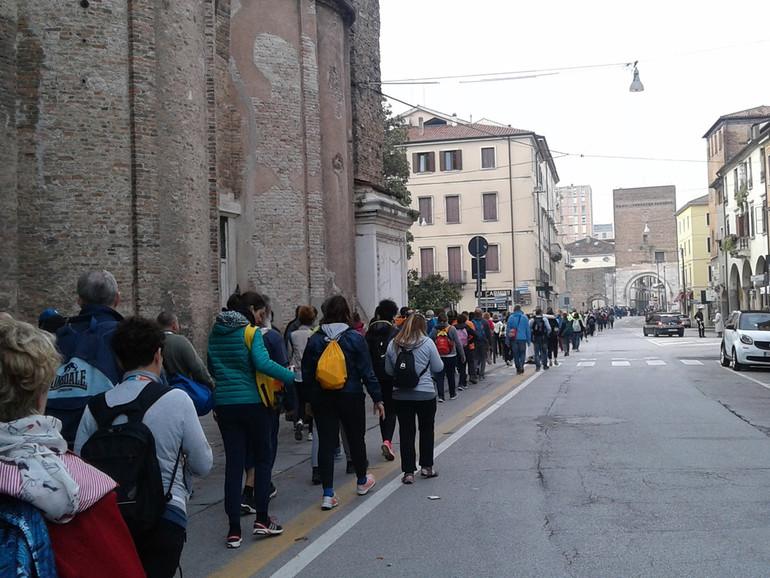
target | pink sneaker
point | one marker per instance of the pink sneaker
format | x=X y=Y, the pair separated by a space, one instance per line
x=387 y=451
x=363 y=489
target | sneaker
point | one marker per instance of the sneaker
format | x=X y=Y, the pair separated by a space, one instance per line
x=555 y=362
x=453 y=396
x=269 y=529
x=460 y=388
x=298 y=427
x=338 y=454
x=441 y=400
x=248 y=505
x=387 y=451
x=234 y=536
x=330 y=502
x=364 y=488
x=310 y=436
x=273 y=491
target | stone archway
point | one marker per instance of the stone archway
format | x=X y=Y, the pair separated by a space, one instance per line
x=734 y=289
x=749 y=295
x=645 y=290
x=597 y=301
x=762 y=295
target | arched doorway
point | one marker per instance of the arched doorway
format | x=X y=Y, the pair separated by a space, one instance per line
x=598 y=301
x=734 y=289
x=646 y=291
x=749 y=295
x=761 y=287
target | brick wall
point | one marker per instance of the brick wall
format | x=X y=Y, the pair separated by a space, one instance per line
x=635 y=208
x=587 y=284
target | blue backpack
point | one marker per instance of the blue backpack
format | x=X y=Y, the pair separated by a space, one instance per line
x=89 y=367
x=201 y=396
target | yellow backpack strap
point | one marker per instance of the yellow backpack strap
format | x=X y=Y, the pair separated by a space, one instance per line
x=248 y=335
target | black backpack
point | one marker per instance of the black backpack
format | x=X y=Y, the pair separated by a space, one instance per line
x=126 y=453
x=538 y=327
x=404 y=373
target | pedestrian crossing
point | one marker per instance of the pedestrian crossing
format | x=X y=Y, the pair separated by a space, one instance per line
x=635 y=362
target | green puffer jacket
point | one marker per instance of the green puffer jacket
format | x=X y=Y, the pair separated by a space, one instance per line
x=233 y=366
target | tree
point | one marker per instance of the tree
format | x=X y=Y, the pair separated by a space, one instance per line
x=431 y=292
x=394 y=162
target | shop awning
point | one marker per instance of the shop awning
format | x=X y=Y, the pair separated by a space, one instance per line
x=678 y=298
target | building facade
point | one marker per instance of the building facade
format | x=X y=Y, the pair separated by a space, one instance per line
x=694 y=241
x=492 y=181
x=591 y=278
x=575 y=213
x=737 y=151
x=192 y=150
x=645 y=246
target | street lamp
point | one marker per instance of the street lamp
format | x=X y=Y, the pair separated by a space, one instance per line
x=684 y=286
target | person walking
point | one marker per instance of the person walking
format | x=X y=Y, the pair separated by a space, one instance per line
x=448 y=345
x=553 y=336
x=332 y=407
x=381 y=332
x=540 y=330
x=465 y=335
x=243 y=419
x=577 y=329
x=565 y=333
x=517 y=337
x=418 y=403
x=719 y=327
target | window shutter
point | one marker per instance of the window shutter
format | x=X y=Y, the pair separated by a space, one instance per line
x=415 y=163
x=431 y=162
x=442 y=160
x=459 y=158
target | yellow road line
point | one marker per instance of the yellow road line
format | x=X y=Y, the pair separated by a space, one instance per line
x=253 y=558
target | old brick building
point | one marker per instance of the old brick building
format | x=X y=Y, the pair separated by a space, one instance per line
x=191 y=148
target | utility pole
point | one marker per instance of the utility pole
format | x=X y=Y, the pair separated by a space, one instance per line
x=685 y=310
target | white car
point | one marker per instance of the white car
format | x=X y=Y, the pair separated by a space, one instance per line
x=746 y=340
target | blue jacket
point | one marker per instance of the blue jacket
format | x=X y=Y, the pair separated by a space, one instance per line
x=357 y=362
x=521 y=323
x=233 y=366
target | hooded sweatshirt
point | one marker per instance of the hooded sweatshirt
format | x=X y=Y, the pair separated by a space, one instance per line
x=425 y=355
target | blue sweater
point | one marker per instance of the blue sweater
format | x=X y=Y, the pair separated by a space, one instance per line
x=521 y=323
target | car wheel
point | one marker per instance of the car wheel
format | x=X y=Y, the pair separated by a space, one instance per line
x=723 y=359
x=656 y=333
x=644 y=330
x=681 y=333
x=734 y=362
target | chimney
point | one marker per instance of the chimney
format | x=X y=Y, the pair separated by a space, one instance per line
x=422 y=127
x=454 y=119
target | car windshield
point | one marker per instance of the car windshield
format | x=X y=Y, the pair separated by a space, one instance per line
x=755 y=322
x=669 y=319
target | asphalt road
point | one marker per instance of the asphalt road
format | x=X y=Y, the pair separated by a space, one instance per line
x=634 y=457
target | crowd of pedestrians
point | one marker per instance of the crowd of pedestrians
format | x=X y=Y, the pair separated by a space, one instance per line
x=97 y=373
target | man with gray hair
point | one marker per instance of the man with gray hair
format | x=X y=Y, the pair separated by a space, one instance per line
x=179 y=355
x=89 y=365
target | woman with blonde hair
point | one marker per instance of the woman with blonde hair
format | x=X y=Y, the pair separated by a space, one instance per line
x=58 y=515
x=417 y=402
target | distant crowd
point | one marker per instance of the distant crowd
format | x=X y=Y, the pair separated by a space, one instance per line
x=80 y=395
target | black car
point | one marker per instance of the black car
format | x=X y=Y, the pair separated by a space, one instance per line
x=659 y=324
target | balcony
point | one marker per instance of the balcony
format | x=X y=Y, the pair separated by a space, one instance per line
x=457 y=277
x=556 y=252
x=742 y=248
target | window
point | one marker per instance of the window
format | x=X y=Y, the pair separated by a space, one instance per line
x=489 y=202
x=574 y=209
x=426 y=210
x=708 y=219
x=423 y=163
x=426 y=262
x=488 y=158
x=583 y=220
x=493 y=259
x=762 y=165
x=582 y=209
x=660 y=256
x=452 y=207
x=708 y=244
x=454 y=264
x=759 y=221
x=750 y=174
x=451 y=160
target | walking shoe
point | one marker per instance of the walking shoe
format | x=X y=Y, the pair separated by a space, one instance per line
x=273 y=491
x=330 y=502
x=234 y=536
x=508 y=363
x=338 y=454
x=310 y=436
x=555 y=362
x=453 y=396
x=566 y=354
x=269 y=529
x=460 y=387
x=387 y=451
x=441 y=400
x=364 y=488
x=298 y=427
x=316 y=477
x=248 y=505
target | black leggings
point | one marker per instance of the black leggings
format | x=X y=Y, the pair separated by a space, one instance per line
x=330 y=409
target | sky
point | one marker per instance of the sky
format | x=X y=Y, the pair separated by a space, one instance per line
x=696 y=60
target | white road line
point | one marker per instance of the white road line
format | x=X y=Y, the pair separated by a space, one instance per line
x=328 y=538
x=744 y=376
x=690 y=362
x=655 y=362
x=621 y=364
x=586 y=363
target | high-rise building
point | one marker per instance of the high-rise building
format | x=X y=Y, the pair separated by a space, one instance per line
x=575 y=213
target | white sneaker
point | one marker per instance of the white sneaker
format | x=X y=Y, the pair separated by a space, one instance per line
x=330 y=502
x=310 y=436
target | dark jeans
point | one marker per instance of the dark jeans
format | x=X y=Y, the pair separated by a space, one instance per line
x=387 y=425
x=553 y=346
x=160 y=548
x=519 y=348
x=565 y=343
x=540 y=345
x=450 y=363
x=330 y=409
x=481 y=356
x=241 y=426
x=462 y=369
x=425 y=412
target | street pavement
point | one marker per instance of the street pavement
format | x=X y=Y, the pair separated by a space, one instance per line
x=472 y=434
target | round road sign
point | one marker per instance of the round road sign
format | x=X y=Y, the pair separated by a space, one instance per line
x=478 y=246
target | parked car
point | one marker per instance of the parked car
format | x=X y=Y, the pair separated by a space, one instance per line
x=746 y=340
x=685 y=321
x=659 y=324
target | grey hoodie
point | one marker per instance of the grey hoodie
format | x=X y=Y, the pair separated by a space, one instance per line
x=425 y=354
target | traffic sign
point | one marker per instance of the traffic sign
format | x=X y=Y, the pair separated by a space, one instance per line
x=478 y=246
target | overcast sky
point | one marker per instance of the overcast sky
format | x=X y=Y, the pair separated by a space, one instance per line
x=697 y=61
